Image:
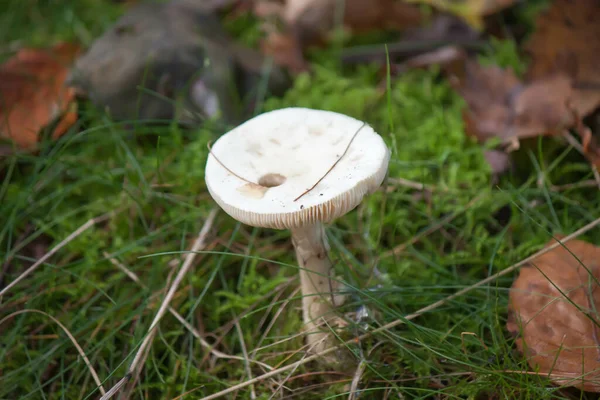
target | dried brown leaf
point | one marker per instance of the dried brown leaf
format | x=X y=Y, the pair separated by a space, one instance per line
x=501 y=106
x=316 y=18
x=567 y=40
x=310 y=22
x=487 y=91
x=558 y=334
x=33 y=93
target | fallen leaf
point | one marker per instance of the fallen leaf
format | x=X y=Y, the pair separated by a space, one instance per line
x=567 y=40
x=553 y=313
x=501 y=106
x=310 y=22
x=314 y=19
x=33 y=93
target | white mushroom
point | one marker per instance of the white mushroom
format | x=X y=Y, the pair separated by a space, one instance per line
x=297 y=169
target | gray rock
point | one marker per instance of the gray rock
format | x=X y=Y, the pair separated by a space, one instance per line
x=171 y=60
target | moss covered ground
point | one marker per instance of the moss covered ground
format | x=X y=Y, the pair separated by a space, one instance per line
x=241 y=292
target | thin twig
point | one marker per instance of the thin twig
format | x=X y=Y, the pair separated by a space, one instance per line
x=273 y=321
x=228 y=170
x=398 y=322
x=287 y=378
x=115 y=389
x=91 y=222
x=356 y=380
x=135 y=374
x=409 y=184
x=71 y=337
x=189 y=259
x=210 y=348
x=334 y=164
x=575 y=185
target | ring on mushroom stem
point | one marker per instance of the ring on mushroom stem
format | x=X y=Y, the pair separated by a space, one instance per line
x=328 y=159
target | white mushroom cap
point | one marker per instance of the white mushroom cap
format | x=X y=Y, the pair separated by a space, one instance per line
x=290 y=150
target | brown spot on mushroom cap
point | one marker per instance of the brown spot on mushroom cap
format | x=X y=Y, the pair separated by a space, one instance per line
x=253 y=190
x=271 y=180
x=315 y=131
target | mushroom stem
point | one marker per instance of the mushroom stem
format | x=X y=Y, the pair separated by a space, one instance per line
x=311 y=247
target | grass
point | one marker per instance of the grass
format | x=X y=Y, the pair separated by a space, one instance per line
x=241 y=292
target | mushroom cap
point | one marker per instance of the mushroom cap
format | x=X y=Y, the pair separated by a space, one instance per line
x=257 y=171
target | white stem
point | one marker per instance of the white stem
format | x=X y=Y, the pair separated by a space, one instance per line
x=311 y=247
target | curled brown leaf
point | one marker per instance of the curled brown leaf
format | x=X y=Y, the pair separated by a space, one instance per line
x=501 y=106
x=553 y=313
x=567 y=41
x=33 y=93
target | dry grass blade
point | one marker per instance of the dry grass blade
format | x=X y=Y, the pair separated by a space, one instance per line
x=218 y=354
x=55 y=249
x=287 y=378
x=197 y=246
x=238 y=328
x=274 y=321
x=71 y=337
x=354 y=395
x=398 y=322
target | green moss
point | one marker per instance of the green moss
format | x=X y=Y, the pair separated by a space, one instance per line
x=152 y=178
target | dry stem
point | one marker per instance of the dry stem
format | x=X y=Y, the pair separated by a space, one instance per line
x=209 y=347
x=71 y=337
x=199 y=244
x=55 y=249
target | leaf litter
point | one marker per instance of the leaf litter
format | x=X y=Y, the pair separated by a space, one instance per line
x=562 y=84
x=33 y=94
x=312 y=22
x=553 y=303
x=553 y=313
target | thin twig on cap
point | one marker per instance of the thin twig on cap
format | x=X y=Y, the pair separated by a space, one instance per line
x=90 y=222
x=198 y=245
x=401 y=321
x=227 y=168
x=334 y=164
x=71 y=338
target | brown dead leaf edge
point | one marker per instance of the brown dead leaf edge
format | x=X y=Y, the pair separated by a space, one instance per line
x=33 y=94
x=557 y=338
x=501 y=106
x=310 y=22
x=562 y=85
